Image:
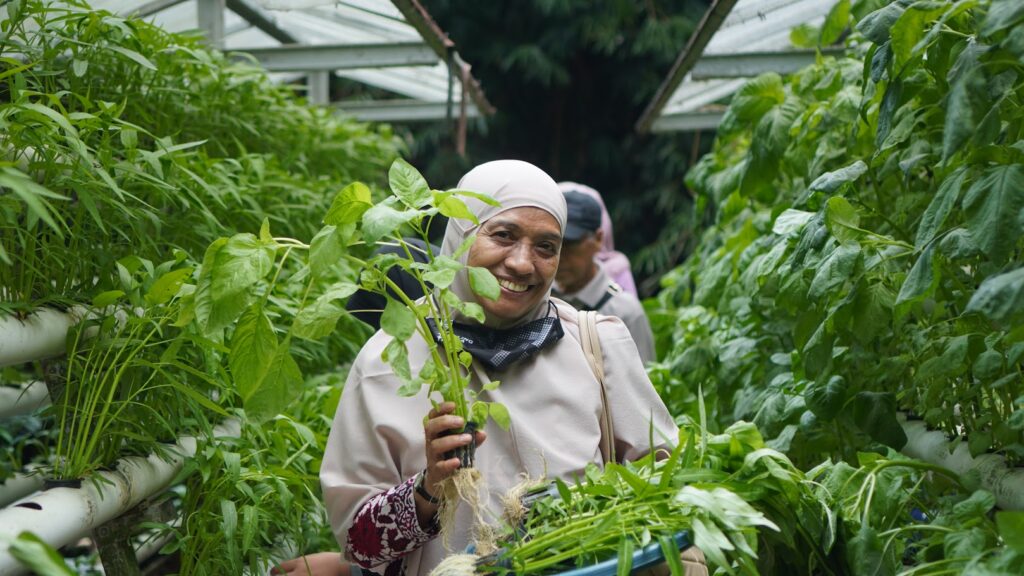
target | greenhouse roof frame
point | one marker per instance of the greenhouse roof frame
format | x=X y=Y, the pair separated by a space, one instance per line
x=720 y=57
x=393 y=45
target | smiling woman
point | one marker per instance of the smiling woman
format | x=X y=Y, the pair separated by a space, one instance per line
x=385 y=465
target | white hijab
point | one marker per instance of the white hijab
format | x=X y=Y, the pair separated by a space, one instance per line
x=515 y=184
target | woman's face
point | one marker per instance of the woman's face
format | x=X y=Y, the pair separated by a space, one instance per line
x=520 y=247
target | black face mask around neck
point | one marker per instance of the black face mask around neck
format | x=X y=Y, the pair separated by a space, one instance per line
x=499 y=349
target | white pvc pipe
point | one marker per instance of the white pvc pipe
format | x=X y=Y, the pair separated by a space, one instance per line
x=60 y=516
x=41 y=335
x=18 y=486
x=1007 y=484
x=26 y=399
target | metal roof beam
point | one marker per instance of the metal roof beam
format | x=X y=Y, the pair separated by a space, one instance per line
x=210 y=15
x=749 y=64
x=709 y=24
x=342 y=56
x=688 y=122
x=401 y=110
x=152 y=7
x=258 y=18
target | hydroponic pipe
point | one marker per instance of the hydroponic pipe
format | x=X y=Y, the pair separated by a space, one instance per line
x=41 y=335
x=1007 y=484
x=63 y=515
x=18 y=486
x=17 y=400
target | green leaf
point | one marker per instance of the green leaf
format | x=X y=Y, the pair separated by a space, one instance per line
x=993 y=204
x=964 y=543
x=966 y=105
x=1011 y=529
x=826 y=400
x=397 y=356
x=940 y=207
x=499 y=413
x=1001 y=298
x=107 y=298
x=319 y=319
x=872 y=312
x=408 y=184
x=758 y=96
x=625 y=564
x=834 y=271
x=804 y=36
x=229 y=518
x=326 y=250
x=38 y=556
x=771 y=137
x=441 y=272
x=922 y=279
x=843 y=220
x=909 y=28
x=384 y=219
x=875 y=414
x=866 y=555
x=398 y=320
x=835 y=23
x=253 y=347
x=133 y=56
x=349 y=205
x=670 y=550
x=454 y=207
x=875 y=26
x=790 y=221
x=280 y=386
x=484 y=283
x=167 y=286
x=829 y=182
x=1002 y=14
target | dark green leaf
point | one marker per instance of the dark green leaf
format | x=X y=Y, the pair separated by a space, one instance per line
x=843 y=220
x=319 y=319
x=964 y=543
x=398 y=320
x=872 y=312
x=940 y=207
x=909 y=28
x=875 y=26
x=829 y=182
x=966 y=106
x=834 y=272
x=1002 y=14
x=484 y=283
x=875 y=414
x=758 y=96
x=993 y=204
x=408 y=184
x=1001 y=298
x=349 y=205
x=922 y=279
x=866 y=555
x=826 y=400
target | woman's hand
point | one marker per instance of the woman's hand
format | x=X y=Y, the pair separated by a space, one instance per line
x=319 y=564
x=439 y=421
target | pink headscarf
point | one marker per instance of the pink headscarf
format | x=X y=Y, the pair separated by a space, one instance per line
x=615 y=263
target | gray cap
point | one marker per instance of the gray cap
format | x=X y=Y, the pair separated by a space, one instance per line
x=584 y=216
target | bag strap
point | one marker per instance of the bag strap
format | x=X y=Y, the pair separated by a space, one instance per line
x=587 y=320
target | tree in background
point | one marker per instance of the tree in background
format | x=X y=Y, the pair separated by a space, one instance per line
x=569 y=79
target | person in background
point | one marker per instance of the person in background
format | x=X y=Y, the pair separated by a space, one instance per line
x=583 y=281
x=615 y=263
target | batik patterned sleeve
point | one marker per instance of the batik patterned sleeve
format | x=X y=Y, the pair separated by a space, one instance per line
x=386 y=528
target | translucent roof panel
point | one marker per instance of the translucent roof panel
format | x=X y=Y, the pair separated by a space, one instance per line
x=398 y=57
x=754 y=37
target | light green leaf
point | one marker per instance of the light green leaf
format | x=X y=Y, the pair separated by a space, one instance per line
x=107 y=298
x=265 y=236
x=758 y=96
x=1001 y=298
x=993 y=204
x=843 y=220
x=349 y=205
x=242 y=262
x=229 y=517
x=836 y=270
x=384 y=219
x=253 y=347
x=835 y=23
x=441 y=272
x=326 y=250
x=492 y=385
x=473 y=310
x=464 y=247
x=280 y=386
x=319 y=319
x=408 y=184
x=485 y=198
x=625 y=564
x=398 y=320
x=454 y=207
x=940 y=207
x=829 y=182
x=397 y=356
x=499 y=413
x=133 y=56
x=875 y=414
x=79 y=67
x=1011 y=528
x=910 y=27
x=804 y=36
x=964 y=543
x=167 y=286
x=38 y=556
x=484 y=283
x=791 y=220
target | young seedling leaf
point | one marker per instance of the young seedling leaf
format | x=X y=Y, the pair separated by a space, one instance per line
x=499 y=413
x=484 y=283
